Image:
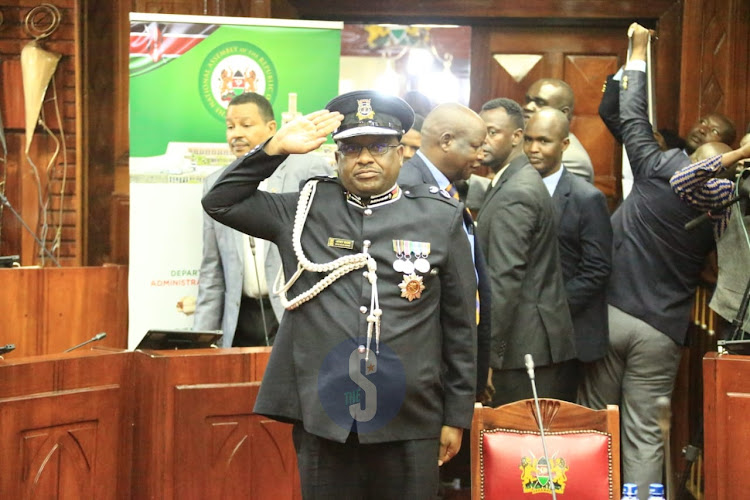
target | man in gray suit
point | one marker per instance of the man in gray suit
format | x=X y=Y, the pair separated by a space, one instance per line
x=656 y=267
x=557 y=94
x=583 y=230
x=237 y=272
x=516 y=232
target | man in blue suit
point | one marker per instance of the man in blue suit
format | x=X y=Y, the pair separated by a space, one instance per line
x=237 y=272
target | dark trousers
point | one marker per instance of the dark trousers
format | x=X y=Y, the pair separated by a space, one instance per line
x=355 y=471
x=558 y=381
x=250 y=331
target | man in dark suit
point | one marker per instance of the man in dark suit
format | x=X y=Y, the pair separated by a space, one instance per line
x=655 y=269
x=516 y=232
x=584 y=232
x=451 y=150
x=375 y=357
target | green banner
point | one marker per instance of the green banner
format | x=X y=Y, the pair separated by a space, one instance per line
x=182 y=75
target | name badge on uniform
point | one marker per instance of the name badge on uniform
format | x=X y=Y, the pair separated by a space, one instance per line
x=341 y=243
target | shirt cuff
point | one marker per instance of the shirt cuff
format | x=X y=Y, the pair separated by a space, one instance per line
x=636 y=66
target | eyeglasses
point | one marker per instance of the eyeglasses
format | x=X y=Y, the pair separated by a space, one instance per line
x=352 y=150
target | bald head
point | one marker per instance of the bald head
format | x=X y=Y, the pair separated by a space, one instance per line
x=452 y=138
x=553 y=119
x=545 y=139
x=709 y=150
x=452 y=117
x=549 y=92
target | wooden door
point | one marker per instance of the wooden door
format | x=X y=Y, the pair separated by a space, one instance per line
x=507 y=60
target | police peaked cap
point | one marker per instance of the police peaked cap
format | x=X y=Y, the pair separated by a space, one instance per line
x=367 y=112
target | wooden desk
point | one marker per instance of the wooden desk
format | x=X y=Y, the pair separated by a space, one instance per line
x=65 y=423
x=196 y=436
x=726 y=408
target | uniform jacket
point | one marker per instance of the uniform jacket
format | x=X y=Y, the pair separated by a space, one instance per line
x=427 y=345
x=655 y=262
x=413 y=172
x=585 y=236
x=516 y=231
x=223 y=264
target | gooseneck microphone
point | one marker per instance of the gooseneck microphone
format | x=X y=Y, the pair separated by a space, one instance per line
x=95 y=338
x=7 y=348
x=39 y=242
x=529 y=362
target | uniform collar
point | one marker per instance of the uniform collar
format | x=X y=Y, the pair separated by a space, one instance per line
x=375 y=201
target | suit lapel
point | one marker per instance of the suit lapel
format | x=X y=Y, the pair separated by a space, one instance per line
x=561 y=195
x=514 y=167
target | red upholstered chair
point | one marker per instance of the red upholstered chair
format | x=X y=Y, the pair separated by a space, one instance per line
x=507 y=456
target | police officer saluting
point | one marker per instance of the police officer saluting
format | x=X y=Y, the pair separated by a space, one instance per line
x=374 y=358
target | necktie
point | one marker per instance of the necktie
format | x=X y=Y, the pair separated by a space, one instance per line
x=469 y=223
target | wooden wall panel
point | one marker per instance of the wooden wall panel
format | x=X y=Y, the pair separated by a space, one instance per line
x=715 y=41
x=48 y=310
x=20 y=303
x=449 y=11
x=582 y=57
x=60 y=114
x=82 y=302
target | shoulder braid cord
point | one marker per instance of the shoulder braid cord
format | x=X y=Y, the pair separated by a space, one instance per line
x=335 y=269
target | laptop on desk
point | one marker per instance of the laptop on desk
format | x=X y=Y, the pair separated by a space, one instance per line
x=166 y=339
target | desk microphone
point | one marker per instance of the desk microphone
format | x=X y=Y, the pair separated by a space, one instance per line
x=529 y=362
x=7 y=348
x=95 y=338
x=39 y=242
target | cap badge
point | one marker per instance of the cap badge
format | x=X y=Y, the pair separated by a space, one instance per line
x=364 y=109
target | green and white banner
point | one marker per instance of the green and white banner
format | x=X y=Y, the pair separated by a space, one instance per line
x=183 y=72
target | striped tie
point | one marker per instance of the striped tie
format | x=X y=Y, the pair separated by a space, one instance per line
x=469 y=223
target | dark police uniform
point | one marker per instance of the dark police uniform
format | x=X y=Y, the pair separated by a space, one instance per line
x=421 y=374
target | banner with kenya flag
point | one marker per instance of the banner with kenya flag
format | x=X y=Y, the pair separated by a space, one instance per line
x=183 y=72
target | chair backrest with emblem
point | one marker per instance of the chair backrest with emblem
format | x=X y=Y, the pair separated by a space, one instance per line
x=507 y=455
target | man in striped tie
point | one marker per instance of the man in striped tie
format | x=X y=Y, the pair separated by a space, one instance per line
x=451 y=150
